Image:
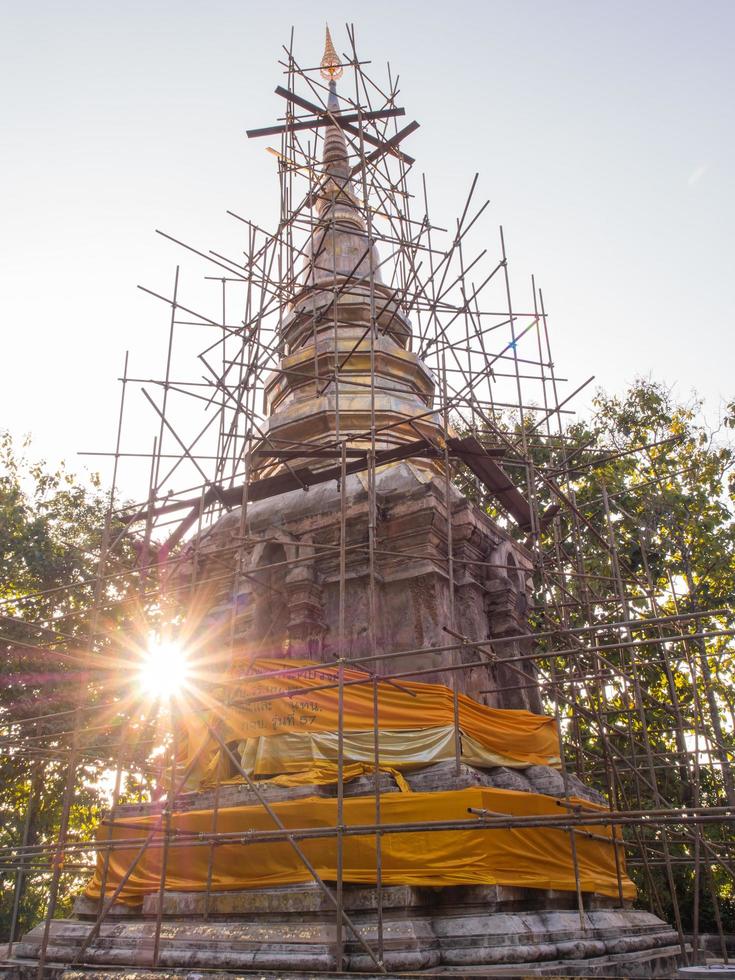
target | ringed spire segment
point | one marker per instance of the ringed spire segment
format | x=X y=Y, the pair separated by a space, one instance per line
x=331 y=69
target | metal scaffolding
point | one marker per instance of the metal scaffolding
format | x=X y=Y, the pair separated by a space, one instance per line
x=600 y=627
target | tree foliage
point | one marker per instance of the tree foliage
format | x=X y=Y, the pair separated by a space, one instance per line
x=51 y=530
x=644 y=529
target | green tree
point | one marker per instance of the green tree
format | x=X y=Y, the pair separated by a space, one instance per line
x=640 y=525
x=51 y=531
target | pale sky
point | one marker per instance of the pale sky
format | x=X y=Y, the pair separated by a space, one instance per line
x=603 y=133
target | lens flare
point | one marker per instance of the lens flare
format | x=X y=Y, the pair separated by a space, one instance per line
x=164 y=670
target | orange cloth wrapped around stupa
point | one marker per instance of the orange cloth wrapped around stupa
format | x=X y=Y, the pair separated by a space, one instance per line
x=284 y=718
x=284 y=728
x=473 y=854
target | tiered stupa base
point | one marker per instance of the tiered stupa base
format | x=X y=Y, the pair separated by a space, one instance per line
x=290 y=931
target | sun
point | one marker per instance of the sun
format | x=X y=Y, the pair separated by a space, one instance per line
x=164 y=670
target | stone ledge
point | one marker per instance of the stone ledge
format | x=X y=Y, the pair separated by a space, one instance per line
x=449 y=940
x=310 y=899
x=437 y=777
x=661 y=963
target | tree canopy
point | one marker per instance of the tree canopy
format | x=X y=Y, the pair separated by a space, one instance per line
x=51 y=532
x=642 y=495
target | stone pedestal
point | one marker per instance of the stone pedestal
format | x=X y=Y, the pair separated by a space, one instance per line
x=291 y=931
x=450 y=932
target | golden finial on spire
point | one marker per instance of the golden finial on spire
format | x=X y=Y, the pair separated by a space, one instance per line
x=331 y=68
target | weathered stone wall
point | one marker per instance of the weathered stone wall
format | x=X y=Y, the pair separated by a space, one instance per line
x=286 y=602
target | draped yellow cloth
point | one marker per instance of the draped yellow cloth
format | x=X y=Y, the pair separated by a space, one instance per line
x=278 y=733
x=326 y=773
x=533 y=857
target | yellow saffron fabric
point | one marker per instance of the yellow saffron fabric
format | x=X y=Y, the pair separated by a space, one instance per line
x=409 y=749
x=499 y=736
x=327 y=773
x=532 y=857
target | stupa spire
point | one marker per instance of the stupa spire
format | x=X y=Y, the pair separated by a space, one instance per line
x=334 y=154
x=330 y=323
x=331 y=67
x=338 y=240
